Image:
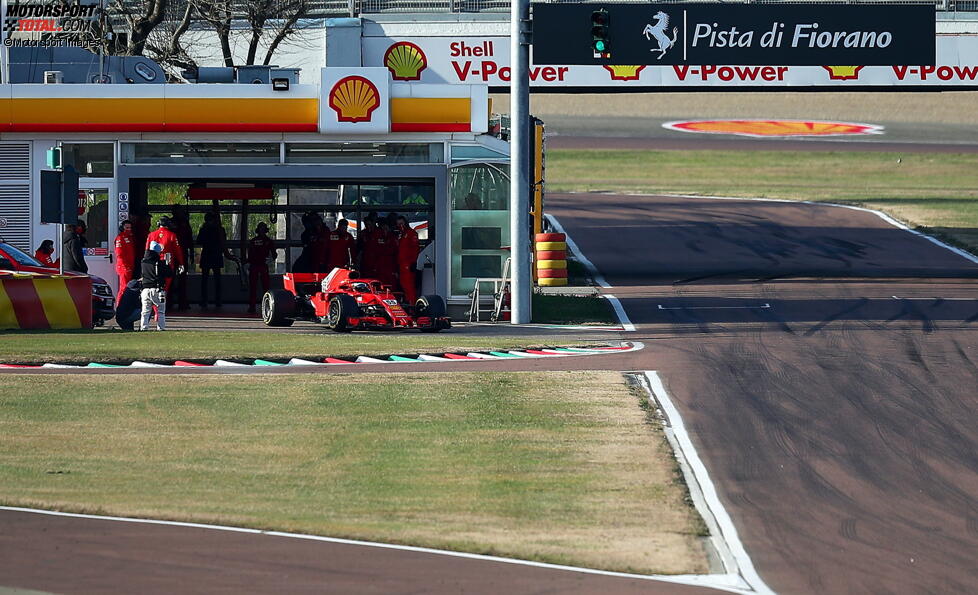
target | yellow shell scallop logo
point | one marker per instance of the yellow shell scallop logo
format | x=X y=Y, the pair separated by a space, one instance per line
x=354 y=99
x=624 y=73
x=843 y=73
x=405 y=60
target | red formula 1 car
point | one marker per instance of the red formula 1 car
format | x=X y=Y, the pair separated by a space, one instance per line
x=345 y=302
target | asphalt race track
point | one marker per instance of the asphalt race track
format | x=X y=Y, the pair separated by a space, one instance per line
x=825 y=364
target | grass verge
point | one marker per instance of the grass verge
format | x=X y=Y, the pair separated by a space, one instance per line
x=558 y=466
x=931 y=191
x=572 y=309
x=108 y=346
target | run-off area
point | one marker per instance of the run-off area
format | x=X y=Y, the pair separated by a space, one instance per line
x=563 y=467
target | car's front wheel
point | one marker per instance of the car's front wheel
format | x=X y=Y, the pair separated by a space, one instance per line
x=431 y=306
x=341 y=309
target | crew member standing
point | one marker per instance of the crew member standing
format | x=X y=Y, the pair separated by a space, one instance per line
x=155 y=276
x=171 y=253
x=367 y=265
x=260 y=248
x=342 y=247
x=73 y=249
x=383 y=245
x=408 y=248
x=185 y=235
x=212 y=239
x=320 y=247
x=125 y=257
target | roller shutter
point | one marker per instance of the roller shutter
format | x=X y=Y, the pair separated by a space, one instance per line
x=15 y=195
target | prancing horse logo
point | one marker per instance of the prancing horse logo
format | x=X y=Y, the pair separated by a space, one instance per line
x=658 y=31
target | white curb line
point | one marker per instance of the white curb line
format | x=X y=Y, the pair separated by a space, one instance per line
x=592 y=270
x=704 y=494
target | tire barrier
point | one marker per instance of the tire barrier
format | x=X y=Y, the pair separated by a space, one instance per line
x=39 y=301
x=541 y=246
x=473 y=356
x=551 y=259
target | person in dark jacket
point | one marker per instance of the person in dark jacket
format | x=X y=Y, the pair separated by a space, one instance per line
x=155 y=275
x=185 y=234
x=261 y=248
x=129 y=308
x=73 y=248
x=306 y=263
x=212 y=239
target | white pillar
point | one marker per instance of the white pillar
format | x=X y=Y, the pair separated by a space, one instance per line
x=522 y=286
x=4 y=54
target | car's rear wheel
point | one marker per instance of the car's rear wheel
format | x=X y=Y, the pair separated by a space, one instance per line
x=432 y=306
x=341 y=309
x=277 y=306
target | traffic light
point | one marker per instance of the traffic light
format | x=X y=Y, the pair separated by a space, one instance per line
x=600 y=25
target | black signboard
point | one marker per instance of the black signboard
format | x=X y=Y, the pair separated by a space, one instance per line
x=59 y=195
x=741 y=34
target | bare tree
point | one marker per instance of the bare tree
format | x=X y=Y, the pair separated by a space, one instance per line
x=158 y=29
x=258 y=21
x=219 y=14
x=166 y=43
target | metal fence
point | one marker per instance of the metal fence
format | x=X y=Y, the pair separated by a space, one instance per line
x=345 y=8
x=359 y=7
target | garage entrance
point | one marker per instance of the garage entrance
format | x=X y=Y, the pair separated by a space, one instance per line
x=243 y=204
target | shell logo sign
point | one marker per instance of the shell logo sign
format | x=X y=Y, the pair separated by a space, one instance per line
x=405 y=60
x=843 y=73
x=764 y=128
x=354 y=99
x=624 y=73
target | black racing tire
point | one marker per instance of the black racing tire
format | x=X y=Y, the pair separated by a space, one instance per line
x=277 y=305
x=432 y=306
x=341 y=308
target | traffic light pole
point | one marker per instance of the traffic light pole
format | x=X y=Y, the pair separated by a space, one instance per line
x=519 y=162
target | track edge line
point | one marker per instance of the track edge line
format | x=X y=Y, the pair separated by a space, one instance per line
x=723 y=582
x=703 y=491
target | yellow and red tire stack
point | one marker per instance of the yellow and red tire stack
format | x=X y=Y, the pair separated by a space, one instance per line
x=36 y=301
x=551 y=259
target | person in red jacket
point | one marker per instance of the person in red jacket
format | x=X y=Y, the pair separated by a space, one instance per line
x=408 y=249
x=125 y=257
x=342 y=247
x=260 y=249
x=367 y=266
x=44 y=252
x=383 y=247
x=172 y=253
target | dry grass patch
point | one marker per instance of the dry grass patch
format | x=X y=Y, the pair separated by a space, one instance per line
x=559 y=466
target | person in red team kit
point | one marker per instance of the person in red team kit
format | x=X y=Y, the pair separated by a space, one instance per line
x=172 y=253
x=382 y=248
x=342 y=247
x=125 y=257
x=408 y=249
x=260 y=248
x=44 y=252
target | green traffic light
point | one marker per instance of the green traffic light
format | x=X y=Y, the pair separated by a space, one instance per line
x=599 y=45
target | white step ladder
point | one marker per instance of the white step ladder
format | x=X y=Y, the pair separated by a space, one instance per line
x=500 y=296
